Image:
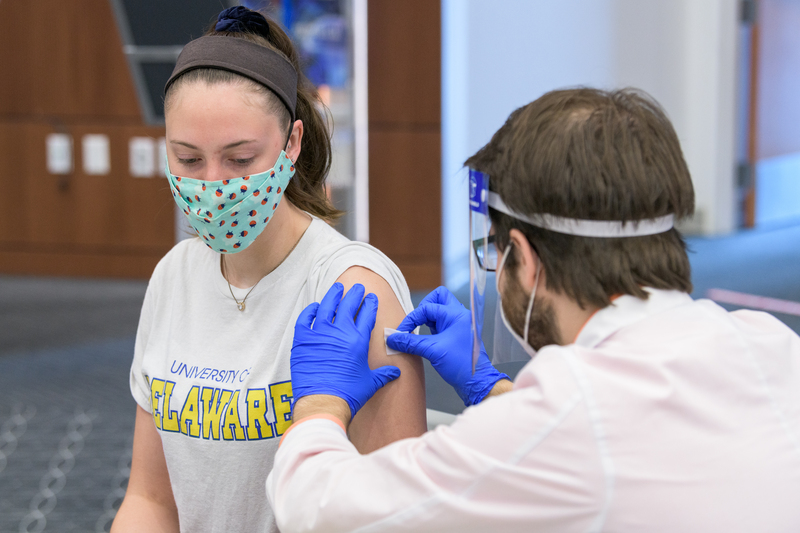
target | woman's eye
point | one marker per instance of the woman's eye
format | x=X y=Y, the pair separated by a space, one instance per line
x=243 y=162
x=188 y=161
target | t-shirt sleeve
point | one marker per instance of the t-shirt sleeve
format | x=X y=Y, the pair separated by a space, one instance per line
x=333 y=263
x=140 y=388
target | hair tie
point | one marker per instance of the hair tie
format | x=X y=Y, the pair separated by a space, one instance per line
x=243 y=20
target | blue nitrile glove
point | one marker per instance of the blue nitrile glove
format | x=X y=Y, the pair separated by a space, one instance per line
x=449 y=349
x=330 y=356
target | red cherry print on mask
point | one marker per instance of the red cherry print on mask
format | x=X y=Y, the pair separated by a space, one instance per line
x=229 y=235
x=177 y=188
x=212 y=236
x=221 y=207
x=206 y=238
x=223 y=250
x=189 y=200
x=256 y=192
x=177 y=178
x=243 y=189
x=291 y=168
x=246 y=178
x=280 y=168
x=225 y=182
x=274 y=207
x=222 y=223
x=219 y=192
x=252 y=213
x=252 y=223
x=234 y=213
x=264 y=201
x=232 y=196
x=234 y=223
x=243 y=233
x=265 y=220
x=206 y=221
x=204 y=187
x=237 y=245
x=209 y=215
x=269 y=189
x=279 y=190
x=196 y=197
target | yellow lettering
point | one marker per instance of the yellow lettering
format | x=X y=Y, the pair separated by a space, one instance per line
x=190 y=414
x=156 y=392
x=232 y=425
x=169 y=419
x=214 y=403
x=281 y=394
x=258 y=427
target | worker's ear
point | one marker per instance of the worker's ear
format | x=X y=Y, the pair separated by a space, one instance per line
x=527 y=259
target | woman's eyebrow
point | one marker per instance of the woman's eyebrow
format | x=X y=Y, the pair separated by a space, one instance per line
x=227 y=146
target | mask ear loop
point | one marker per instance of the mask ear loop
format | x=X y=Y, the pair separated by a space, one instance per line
x=288 y=137
x=530 y=302
x=528 y=312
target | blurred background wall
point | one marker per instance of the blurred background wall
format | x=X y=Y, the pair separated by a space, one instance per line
x=422 y=84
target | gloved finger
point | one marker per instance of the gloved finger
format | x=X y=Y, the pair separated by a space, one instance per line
x=385 y=374
x=365 y=321
x=350 y=303
x=307 y=315
x=329 y=303
x=427 y=314
x=410 y=343
x=440 y=295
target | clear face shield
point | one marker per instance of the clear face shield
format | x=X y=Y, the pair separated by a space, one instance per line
x=487 y=323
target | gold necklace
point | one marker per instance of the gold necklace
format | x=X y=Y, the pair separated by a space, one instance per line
x=239 y=304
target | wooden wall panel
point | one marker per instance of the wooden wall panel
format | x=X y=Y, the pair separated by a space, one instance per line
x=405 y=62
x=67 y=61
x=405 y=136
x=66 y=73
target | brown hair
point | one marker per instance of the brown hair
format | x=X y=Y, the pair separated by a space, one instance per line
x=306 y=190
x=591 y=154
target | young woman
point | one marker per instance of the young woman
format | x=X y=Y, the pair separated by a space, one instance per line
x=248 y=152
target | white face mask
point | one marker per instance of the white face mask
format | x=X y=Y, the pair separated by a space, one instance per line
x=523 y=341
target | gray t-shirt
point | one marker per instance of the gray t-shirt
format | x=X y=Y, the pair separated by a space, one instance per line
x=217 y=379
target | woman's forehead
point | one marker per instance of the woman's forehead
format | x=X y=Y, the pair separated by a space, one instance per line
x=222 y=110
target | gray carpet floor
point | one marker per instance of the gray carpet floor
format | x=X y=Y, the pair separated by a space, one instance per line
x=66 y=414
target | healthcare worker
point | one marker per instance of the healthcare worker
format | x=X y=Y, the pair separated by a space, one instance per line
x=640 y=410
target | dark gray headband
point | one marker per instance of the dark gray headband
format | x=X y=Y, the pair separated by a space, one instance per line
x=251 y=60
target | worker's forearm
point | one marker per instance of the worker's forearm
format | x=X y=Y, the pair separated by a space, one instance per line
x=501 y=387
x=319 y=404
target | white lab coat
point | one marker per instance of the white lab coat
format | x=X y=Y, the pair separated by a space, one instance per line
x=666 y=415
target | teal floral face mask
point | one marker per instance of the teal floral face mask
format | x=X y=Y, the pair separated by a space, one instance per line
x=229 y=214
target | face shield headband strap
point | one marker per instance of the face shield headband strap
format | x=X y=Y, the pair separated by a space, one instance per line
x=588 y=228
x=247 y=59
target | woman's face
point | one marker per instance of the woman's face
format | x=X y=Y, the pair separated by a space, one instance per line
x=222 y=131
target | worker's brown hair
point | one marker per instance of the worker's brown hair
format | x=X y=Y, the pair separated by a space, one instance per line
x=590 y=154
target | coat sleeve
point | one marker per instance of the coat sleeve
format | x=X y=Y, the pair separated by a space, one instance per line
x=464 y=477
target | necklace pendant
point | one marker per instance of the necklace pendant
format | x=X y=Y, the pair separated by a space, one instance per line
x=241 y=305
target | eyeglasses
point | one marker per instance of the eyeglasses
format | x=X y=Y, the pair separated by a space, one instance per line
x=486 y=253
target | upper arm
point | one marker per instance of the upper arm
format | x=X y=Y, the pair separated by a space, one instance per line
x=397 y=411
x=149 y=503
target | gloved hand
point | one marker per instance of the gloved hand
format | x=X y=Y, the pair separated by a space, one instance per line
x=330 y=356
x=449 y=348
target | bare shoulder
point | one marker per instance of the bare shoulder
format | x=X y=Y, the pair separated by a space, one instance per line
x=373 y=283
